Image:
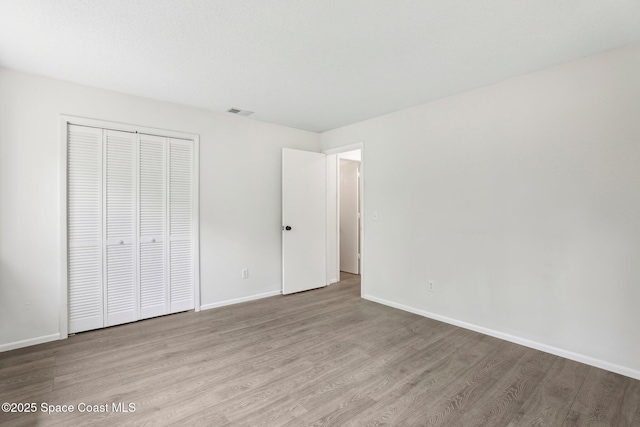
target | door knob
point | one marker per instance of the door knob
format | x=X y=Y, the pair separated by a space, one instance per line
x=287 y=228
x=153 y=240
x=121 y=242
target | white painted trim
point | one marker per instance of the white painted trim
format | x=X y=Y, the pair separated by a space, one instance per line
x=63 y=314
x=239 y=300
x=338 y=217
x=29 y=342
x=338 y=150
x=196 y=221
x=345 y=148
x=332 y=281
x=126 y=127
x=588 y=360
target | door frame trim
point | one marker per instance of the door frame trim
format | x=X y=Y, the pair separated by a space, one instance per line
x=64 y=121
x=343 y=149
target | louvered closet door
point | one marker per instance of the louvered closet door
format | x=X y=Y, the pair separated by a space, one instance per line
x=84 y=227
x=154 y=294
x=121 y=200
x=180 y=225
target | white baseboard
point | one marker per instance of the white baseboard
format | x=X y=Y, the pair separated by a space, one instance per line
x=618 y=369
x=30 y=341
x=53 y=337
x=239 y=300
x=332 y=281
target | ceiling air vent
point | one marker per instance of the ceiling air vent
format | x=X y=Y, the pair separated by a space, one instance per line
x=239 y=112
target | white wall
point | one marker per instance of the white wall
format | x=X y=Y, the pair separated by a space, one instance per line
x=521 y=201
x=240 y=195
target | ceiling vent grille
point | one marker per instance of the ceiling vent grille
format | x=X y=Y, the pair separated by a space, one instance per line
x=239 y=112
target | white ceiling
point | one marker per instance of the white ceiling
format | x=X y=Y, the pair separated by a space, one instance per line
x=309 y=64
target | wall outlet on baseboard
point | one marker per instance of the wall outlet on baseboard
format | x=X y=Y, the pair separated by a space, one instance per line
x=431 y=286
x=244 y=273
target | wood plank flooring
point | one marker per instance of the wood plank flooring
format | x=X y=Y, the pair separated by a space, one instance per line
x=323 y=357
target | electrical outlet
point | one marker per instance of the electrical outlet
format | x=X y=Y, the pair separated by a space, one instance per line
x=244 y=273
x=431 y=286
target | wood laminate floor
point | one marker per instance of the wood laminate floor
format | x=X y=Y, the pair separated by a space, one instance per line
x=323 y=357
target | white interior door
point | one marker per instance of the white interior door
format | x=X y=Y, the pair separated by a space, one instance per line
x=181 y=251
x=84 y=225
x=120 y=206
x=303 y=220
x=154 y=294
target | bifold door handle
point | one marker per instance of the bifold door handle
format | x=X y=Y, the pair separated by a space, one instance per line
x=121 y=242
x=287 y=228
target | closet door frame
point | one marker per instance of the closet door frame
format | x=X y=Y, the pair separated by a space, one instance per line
x=64 y=122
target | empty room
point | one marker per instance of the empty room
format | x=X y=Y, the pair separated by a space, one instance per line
x=291 y=213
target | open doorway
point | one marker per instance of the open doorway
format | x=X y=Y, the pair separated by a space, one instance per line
x=345 y=211
x=349 y=211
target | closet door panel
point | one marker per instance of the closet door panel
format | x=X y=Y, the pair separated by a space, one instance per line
x=120 y=190
x=84 y=227
x=154 y=295
x=181 y=276
x=180 y=225
x=121 y=292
